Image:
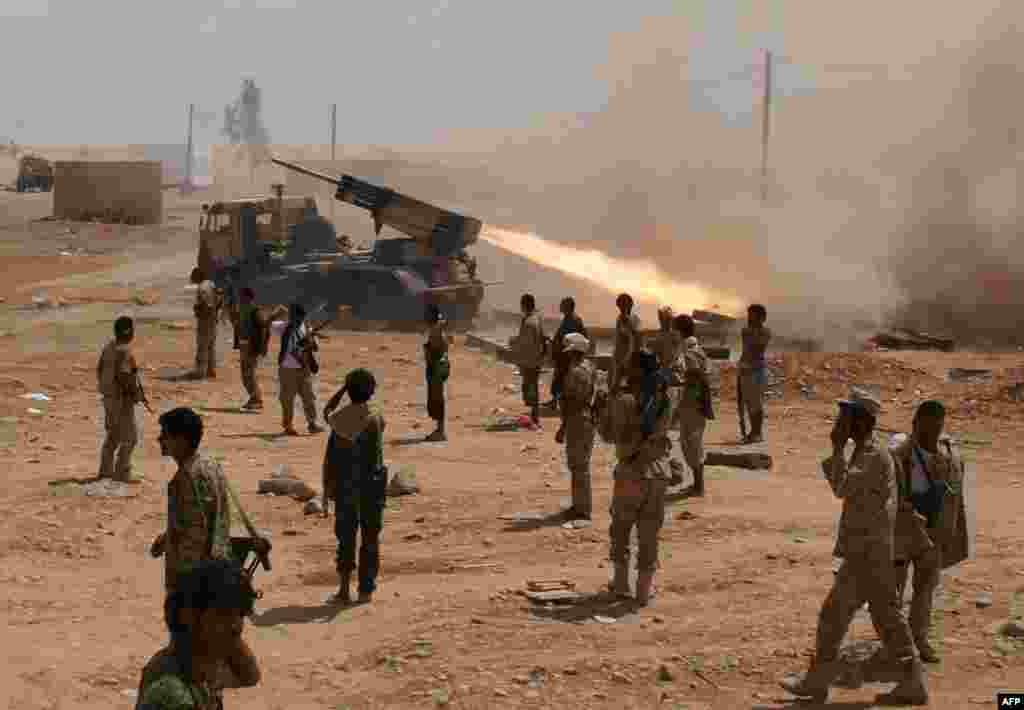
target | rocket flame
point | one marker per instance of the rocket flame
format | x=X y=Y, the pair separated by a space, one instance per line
x=643 y=280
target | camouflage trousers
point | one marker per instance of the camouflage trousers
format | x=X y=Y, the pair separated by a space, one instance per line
x=639 y=503
x=296 y=381
x=121 y=437
x=691 y=435
x=206 y=346
x=579 y=445
x=868 y=577
x=249 y=362
x=753 y=386
x=531 y=385
x=925 y=578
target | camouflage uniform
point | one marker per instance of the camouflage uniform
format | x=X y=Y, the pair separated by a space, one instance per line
x=693 y=364
x=641 y=476
x=295 y=381
x=627 y=340
x=164 y=687
x=867 y=487
x=577 y=395
x=530 y=351
x=930 y=549
x=438 y=369
x=115 y=374
x=254 y=335
x=355 y=461
x=207 y=311
x=560 y=359
x=753 y=374
x=667 y=346
x=198 y=517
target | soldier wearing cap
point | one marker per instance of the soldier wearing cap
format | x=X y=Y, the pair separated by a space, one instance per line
x=931 y=524
x=866 y=483
x=577 y=430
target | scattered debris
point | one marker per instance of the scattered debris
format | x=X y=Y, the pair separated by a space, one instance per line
x=552 y=591
x=313 y=507
x=906 y=339
x=578 y=524
x=1012 y=629
x=36 y=396
x=403 y=483
x=969 y=377
x=286 y=486
x=983 y=600
x=749 y=460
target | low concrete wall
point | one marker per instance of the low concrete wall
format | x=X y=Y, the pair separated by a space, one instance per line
x=128 y=192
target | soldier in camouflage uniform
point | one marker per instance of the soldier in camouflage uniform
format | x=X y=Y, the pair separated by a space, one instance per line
x=577 y=430
x=867 y=486
x=207 y=311
x=637 y=421
x=668 y=344
x=254 y=340
x=117 y=381
x=205 y=616
x=198 y=514
x=438 y=368
x=695 y=401
x=931 y=525
x=530 y=348
x=627 y=341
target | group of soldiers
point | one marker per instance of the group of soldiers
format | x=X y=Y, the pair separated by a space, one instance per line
x=902 y=507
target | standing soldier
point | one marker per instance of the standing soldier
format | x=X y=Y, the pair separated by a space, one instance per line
x=637 y=421
x=356 y=478
x=117 y=380
x=695 y=403
x=931 y=525
x=254 y=340
x=577 y=430
x=435 y=352
x=627 y=340
x=753 y=371
x=668 y=344
x=530 y=347
x=867 y=486
x=207 y=311
x=571 y=323
x=294 y=375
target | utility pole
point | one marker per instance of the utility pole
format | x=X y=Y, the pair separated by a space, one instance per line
x=188 y=150
x=766 y=124
x=334 y=128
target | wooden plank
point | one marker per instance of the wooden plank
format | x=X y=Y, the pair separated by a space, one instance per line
x=554 y=597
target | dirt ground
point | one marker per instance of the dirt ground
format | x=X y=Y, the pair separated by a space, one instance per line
x=744 y=570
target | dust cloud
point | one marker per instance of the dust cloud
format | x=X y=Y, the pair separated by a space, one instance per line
x=893 y=194
x=244 y=163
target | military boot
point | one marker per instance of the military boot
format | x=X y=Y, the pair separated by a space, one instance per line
x=645 y=588
x=619 y=585
x=756 y=435
x=344 y=595
x=698 y=481
x=911 y=689
x=815 y=683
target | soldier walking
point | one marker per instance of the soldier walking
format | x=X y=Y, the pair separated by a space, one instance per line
x=753 y=371
x=637 y=421
x=435 y=353
x=207 y=311
x=577 y=430
x=253 y=343
x=866 y=483
x=931 y=525
x=295 y=377
x=695 y=402
x=117 y=381
x=627 y=340
x=530 y=345
x=356 y=478
x=571 y=323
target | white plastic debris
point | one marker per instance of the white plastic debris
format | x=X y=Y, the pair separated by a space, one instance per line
x=36 y=396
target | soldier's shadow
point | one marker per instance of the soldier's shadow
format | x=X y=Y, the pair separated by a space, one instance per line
x=276 y=436
x=811 y=705
x=323 y=614
x=583 y=610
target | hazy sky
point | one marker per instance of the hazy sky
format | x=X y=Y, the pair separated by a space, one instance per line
x=401 y=71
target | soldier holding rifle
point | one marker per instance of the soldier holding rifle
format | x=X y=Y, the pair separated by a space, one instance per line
x=117 y=377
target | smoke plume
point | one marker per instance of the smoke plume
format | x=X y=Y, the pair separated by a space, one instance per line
x=248 y=139
x=893 y=194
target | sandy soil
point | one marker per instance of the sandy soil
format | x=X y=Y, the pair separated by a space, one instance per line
x=744 y=571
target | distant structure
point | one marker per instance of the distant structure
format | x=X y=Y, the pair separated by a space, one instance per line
x=122 y=192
